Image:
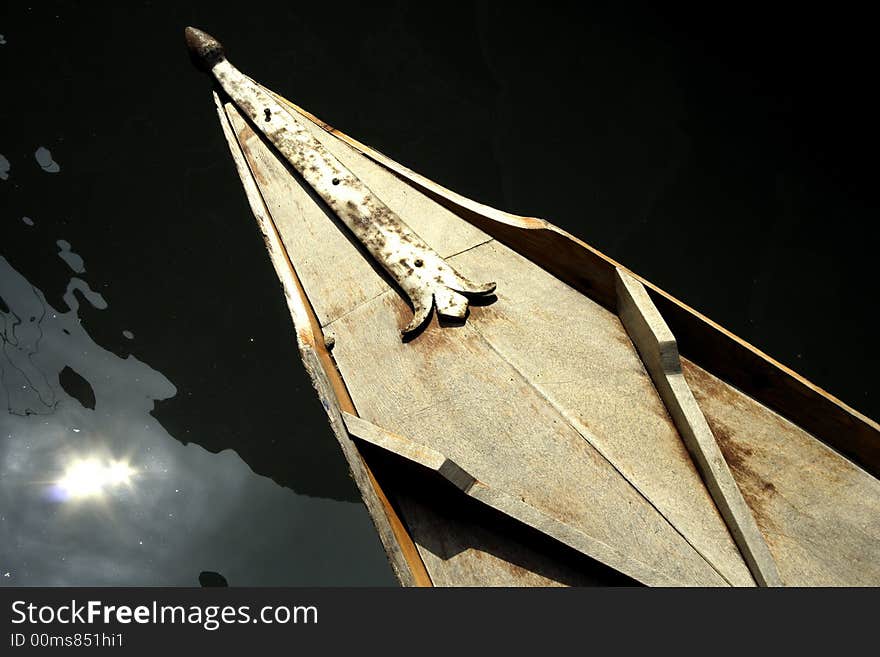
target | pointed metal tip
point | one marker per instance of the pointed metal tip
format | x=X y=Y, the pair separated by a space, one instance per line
x=421 y=313
x=204 y=49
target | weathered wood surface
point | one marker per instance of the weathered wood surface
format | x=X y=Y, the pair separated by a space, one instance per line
x=449 y=390
x=302 y=221
x=516 y=508
x=699 y=338
x=428 y=281
x=819 y=513
x=614 y=513
x=659 y=352
x=579 y=358
x=465 y=543
x=554 y=443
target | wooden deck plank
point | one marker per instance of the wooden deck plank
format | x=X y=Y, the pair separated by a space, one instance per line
x=481 y=552
x=518 y=509
x=465 y=543
x=447 y=389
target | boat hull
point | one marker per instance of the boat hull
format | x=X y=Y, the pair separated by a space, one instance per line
x=543 y=397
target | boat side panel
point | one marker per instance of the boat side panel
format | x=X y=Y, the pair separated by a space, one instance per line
x=772 y=384
x=819 y=513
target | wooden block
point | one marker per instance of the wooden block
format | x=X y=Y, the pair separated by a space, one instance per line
x=658 y=349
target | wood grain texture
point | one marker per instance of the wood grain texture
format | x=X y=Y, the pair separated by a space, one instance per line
x=448 y=390
x=578 y=356
x=465 y=543
x=442 y=229
x=426 y=457
x=428 y=281
x=501 y=501
x=656 y=345
x=699 y=338
x=302 y=219
x=819 y=513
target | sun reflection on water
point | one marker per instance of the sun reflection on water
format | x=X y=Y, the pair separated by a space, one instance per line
x=93 y=477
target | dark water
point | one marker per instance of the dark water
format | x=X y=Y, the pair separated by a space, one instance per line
x=158 y=422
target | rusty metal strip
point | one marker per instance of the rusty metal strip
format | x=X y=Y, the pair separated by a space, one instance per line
x=402 y=553
x=659 y=351
x=420 y=272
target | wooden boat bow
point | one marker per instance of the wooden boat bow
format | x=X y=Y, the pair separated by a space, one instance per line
x=420 y=272
x=562 y=408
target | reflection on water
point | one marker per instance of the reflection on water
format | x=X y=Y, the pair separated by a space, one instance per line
x=44 y=158
x=73 y=260
x=94 y=491
x=92 y=477
x=156 y=424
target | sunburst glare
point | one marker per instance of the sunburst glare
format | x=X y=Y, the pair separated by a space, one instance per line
x=93 y=477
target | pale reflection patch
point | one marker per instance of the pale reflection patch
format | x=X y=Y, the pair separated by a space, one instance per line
x=92 y=477
x=105 y=496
